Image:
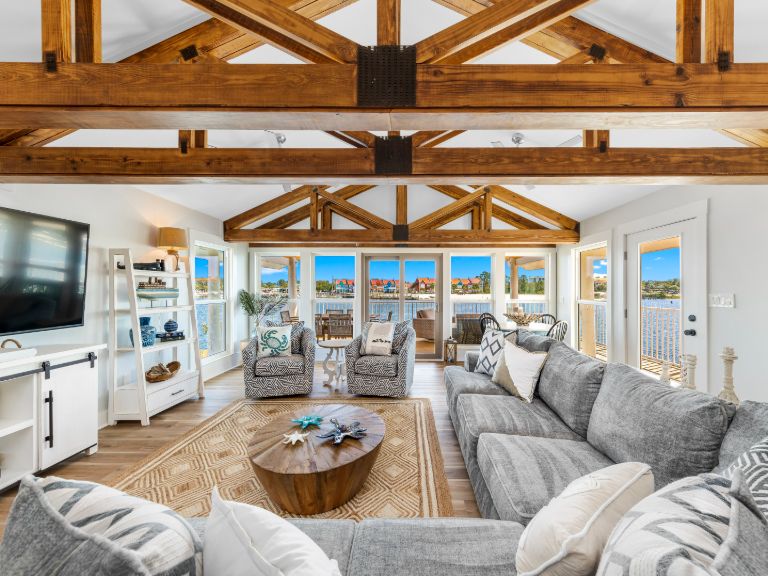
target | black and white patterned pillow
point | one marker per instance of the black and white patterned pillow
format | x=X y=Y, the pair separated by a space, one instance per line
x=687 y=528
x=152 y=534
x=297 y=331
x=491 y=349
x=400 y=336
x=754 y=464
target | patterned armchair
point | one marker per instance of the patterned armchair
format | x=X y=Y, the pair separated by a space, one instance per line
x=381 y=375
x=280 y=375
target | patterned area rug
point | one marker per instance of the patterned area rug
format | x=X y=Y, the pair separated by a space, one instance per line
x=407 y=481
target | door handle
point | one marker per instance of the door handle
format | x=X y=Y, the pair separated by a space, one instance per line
x=690 y=332
x=49 y=400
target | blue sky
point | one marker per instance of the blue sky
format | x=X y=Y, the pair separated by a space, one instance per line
x=334 y=267
x=201 y=268
x=469 y=266
x=661 y=265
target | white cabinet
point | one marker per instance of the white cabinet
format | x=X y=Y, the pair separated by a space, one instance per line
x=46 y=416
x=69 y=412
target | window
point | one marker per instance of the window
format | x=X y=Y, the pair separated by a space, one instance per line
x=592 y=302
x=281 y=275
x=525 y=284
x=211 y=298
x=470 y=296
x=334 y=283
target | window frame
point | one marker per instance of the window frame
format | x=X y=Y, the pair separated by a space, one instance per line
x=579 y=301
x=199 y=240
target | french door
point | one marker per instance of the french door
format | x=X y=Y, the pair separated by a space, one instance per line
x=666 y=299
x=406 y=287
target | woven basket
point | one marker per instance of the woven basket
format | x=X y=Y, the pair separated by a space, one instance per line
x=173 y=368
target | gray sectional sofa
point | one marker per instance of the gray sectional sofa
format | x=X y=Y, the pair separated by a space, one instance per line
x=586 y=415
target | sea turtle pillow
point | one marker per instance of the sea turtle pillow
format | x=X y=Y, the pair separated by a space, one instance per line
x=273 y=341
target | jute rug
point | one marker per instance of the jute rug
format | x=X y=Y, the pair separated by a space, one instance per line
x=407 y=481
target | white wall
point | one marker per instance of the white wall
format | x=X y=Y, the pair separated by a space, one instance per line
x=120 y=217
x=736 y=248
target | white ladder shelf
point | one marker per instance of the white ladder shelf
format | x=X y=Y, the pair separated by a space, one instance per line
x=140 y=400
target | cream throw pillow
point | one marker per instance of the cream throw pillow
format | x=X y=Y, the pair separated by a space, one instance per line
x=245 y=540
x=568 y=535
x=517 y=370
x=378 y=338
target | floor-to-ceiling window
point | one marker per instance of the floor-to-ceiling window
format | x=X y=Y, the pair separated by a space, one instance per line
x=525 y=284
x=334 y=295
x=281 y=275
x=592 y=300
x=471 y=295
x=211 y=269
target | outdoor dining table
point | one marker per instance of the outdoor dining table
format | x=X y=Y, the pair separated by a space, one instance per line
x=536 y=327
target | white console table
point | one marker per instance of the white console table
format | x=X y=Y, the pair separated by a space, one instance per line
x=48 y=409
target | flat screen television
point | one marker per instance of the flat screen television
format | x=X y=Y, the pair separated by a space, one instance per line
x=43 y=266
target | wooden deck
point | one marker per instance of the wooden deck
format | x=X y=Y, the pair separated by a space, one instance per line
x=647 y=363
x=123 y=445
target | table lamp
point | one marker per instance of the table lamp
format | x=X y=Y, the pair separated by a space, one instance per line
x=172 y=240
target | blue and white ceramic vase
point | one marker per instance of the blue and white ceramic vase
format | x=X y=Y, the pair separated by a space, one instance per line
x=148 y=333
x=171 y=326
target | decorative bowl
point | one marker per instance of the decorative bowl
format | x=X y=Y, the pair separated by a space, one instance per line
x=162 y=372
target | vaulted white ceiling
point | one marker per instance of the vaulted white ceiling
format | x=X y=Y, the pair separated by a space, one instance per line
x=130 y=25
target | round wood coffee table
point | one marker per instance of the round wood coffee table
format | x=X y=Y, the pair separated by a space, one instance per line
x=315 y=476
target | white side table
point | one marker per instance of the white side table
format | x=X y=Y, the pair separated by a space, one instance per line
x=336 y=349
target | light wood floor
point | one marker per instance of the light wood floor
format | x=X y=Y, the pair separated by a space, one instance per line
x=127 y=443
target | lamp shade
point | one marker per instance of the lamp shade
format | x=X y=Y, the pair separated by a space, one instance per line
x=171 y=238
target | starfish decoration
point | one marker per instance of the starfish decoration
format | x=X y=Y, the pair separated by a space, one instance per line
x=307 y=421
x=341 y=431
x=294 y=437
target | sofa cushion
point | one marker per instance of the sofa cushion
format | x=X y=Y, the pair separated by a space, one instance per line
x=458 y=381
x=426 y=313
x=523 y=473
x=533 y=342
x=749 y=425
x=434 y=547
x=377 y=365
x=754 y=465
x=400 y=336
x=70 y=528
x=279 y=365
x=569 y=383
x=636 y=419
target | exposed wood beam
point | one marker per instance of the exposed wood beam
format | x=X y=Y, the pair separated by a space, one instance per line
x=268 y=208
x=56 y=18
x=488 y=209
x=499 y=212
x=432 y=138
x=401 y=202
x=436 y=218
x=358 y=214
x=578 y=58
x=88 y=30
x=750 y=137
x=282 y=27
x=515 y=31
x=425 y=237
x=209 y=40
x=327 y=217
x=494 y=245
x=354 y=165
x=313 y=208
x=295 y=216
x=718 y=30
x=597 y=139
x=311 y=97
x=477 y=218
x=688 y=44
x=533 y=208
x=476 y=27
x=358 y=139
x=388 y=22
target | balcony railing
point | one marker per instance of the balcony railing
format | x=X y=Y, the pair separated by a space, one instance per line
x=660 y=338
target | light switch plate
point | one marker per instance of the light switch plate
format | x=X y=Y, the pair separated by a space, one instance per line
x=722 y=300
